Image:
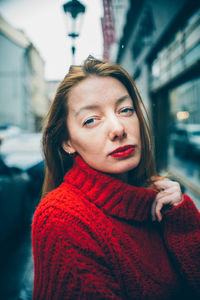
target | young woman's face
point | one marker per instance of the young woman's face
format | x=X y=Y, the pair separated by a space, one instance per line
x=103 y=126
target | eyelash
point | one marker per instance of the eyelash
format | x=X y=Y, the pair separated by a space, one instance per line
x=88 y=122
x=127 y=110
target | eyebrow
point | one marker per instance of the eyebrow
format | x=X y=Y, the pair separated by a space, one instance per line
x=121 y=99
x=93 y=107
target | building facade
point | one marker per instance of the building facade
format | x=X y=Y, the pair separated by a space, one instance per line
x=52 y=86
x=112 y=25
x=160 y=48
x=38 y=87
x=22 y=84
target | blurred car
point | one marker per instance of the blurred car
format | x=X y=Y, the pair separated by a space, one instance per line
x=22 y=150
x=21 y=178
x=7 y=131
x=13 y=194
x=186 y=140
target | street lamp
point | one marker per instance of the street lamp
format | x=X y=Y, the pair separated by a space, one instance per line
x=74 y=11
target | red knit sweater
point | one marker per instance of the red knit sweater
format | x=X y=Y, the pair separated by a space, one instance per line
x=93 y=238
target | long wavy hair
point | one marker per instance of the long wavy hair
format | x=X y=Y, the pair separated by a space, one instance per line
x=57 y=161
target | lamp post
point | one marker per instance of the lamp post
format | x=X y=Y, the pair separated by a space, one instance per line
x=74 y=11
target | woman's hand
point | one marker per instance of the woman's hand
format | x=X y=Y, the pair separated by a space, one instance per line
x=169 y=195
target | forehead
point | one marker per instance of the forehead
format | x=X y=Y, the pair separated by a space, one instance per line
x=96 y=90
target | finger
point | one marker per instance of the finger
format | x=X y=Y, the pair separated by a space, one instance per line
x=168 y=199
x=165 y=199
x=156 y=210
x=172 y=194
x=164 y=184
x=154 y=180
x=161 y=205
x=167 y=192
x=164 y=194
x=173 y=189
x=158 y=213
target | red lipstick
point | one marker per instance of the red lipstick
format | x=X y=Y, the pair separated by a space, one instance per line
x=123 y=152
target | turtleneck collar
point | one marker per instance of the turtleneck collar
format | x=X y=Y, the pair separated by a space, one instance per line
x=111 y=195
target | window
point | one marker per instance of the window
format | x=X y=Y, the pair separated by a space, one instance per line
x=184 y=131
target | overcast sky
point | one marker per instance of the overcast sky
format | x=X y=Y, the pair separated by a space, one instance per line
x=43 y=21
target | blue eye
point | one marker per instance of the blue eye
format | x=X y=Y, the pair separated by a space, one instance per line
x=89 y=122
x=127 y=110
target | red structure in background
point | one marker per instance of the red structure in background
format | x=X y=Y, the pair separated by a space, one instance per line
x=107 y=23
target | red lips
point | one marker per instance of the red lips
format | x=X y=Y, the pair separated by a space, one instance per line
x=122 y=152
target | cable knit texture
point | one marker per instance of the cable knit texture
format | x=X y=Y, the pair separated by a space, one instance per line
x=93 y=238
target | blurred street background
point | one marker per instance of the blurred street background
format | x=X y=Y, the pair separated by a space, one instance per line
x=157 y=42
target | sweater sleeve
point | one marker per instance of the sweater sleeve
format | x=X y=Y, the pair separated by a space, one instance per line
x=182 y=237
x=69 y=263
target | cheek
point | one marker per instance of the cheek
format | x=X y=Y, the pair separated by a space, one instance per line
x=83 y=142
x=79 y=143
x=135 y=129
x=138 y=129
x=86 y=139
x=75 y=135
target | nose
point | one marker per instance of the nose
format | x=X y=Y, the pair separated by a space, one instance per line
x=116 y=129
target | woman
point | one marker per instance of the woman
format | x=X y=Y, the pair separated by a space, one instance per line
x=93 y=235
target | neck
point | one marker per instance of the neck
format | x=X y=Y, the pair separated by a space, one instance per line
x=123 y=177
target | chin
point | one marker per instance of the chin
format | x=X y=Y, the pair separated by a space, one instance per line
x=123 y=168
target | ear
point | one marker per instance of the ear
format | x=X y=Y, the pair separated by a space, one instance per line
x=67 y=147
